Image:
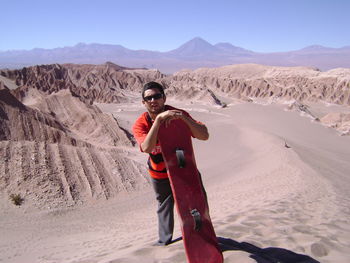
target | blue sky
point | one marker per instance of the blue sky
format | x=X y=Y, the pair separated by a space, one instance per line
x=163 y=25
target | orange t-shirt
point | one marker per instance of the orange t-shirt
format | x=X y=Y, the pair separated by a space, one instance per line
x=142 y=126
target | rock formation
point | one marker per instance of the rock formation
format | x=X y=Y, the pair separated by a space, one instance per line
x=58 y=148
x=339 y=121
x=258 y=81
x=93 y=83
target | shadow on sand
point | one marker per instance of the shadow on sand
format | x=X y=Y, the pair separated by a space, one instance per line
x=265 y=255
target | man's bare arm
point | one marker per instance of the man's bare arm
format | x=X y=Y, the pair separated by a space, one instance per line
x=151 y=139
x=199 y=131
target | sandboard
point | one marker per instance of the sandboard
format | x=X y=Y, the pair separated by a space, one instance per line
x=198 y=234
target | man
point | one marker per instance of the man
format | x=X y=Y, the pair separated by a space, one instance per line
x=145 y=131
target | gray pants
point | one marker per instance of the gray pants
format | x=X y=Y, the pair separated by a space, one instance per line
x=165 y=212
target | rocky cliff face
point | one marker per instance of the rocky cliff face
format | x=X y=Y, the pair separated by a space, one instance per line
x=258 y=81
x=107 y=83
x=249 y=82
x=58 y=148
x=339 y=121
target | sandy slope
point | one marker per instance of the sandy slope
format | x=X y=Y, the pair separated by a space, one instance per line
x=267 y=201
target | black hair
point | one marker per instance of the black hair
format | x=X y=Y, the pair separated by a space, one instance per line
x=152 y=85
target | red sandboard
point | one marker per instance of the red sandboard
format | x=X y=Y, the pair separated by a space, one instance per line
x=198 y=234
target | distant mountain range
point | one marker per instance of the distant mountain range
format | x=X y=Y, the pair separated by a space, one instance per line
x=193 y=54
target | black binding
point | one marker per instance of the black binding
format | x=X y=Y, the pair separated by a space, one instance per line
x=197 y=219
x=180 y=155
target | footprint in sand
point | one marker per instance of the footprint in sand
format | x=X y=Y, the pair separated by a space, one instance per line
x=250 y=224
x=176 y=258
x=302 y=229
x=143 y=251
x=318 y=249
x=232 y=218
x=237 y=228
x=120 y=260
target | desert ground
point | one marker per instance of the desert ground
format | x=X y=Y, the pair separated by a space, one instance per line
x=277 y=183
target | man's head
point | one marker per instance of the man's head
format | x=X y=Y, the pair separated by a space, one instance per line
x=153 y=98
x=152 y=85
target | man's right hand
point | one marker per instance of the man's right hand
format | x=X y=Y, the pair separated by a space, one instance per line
x=168 y=116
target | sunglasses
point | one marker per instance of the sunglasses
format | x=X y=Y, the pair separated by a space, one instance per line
x=155 y=97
